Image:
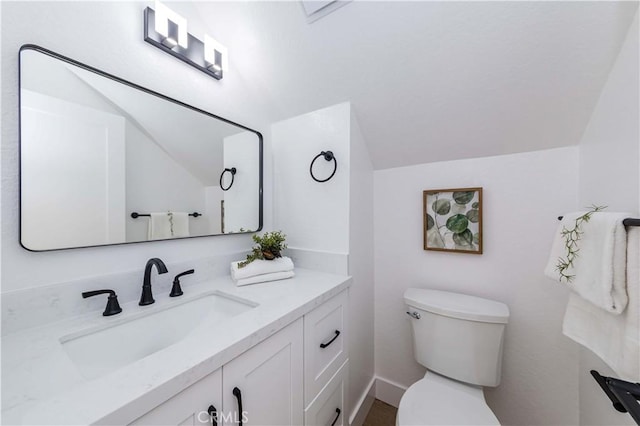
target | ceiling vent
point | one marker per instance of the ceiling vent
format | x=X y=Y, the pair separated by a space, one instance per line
x=316 y=9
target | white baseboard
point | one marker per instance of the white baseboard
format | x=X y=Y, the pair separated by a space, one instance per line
x=363 y=406
x=389 y=391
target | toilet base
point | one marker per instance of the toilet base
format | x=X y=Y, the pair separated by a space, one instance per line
x=438 y=400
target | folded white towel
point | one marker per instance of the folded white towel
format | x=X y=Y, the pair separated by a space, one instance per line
x=263 y=278
x=179 y=224
x=260 y=267
x=599 y=268
x=614 y=338
x=159 y=226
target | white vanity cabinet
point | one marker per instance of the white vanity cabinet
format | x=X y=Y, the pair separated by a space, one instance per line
x=297 y=376
x=190 y=407
x=268 y=380
x=326 y=362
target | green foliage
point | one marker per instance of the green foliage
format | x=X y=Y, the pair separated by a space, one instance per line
x=457 y=224
x=430 y=222
x=464 y=238
x=441 y=207
x=571 y=238
x=473 y=215
x=269 y=246
x=463 y=197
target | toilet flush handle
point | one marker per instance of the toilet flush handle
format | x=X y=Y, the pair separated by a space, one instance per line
x=414 y=314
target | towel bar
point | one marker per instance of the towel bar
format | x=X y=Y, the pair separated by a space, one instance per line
x=136 y=215
x=627 y=222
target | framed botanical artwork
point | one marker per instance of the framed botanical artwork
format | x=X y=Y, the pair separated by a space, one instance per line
x=453 y=220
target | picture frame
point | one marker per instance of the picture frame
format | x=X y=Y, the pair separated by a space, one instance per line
x=452 y=220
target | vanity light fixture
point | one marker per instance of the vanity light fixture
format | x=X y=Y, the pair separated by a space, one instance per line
x=171 y=26
x=167 y=30
x=215 y=55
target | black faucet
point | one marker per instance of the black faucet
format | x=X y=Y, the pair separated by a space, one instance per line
x=176 y=290
x=147 y=297
x=113 y=307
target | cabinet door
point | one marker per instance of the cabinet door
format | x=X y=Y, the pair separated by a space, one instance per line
x=325 y=344
x=267 y=380
x=189 y=407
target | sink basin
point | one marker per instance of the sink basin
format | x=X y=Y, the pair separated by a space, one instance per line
x=105 y=348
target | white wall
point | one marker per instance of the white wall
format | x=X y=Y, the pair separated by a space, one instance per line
x=609 y=150
x=241 y=199
x=523 y=195
x=156 y=182
x=361 y=294
x=610 y=175
x=108 y=35
x=332 y=217
x=313 y=215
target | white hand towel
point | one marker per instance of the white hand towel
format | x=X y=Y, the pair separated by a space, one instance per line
x=614 y=338
x=159 y=226
x=599 y=268
x=179 y=224
x=260 y=267
x=263 y=278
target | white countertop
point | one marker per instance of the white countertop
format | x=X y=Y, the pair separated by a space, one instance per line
x=41 y=385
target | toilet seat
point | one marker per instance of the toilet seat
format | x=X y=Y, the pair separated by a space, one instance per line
x=437 y=400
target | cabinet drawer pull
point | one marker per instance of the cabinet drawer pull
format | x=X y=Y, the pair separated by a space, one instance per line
x=324 y=345
x=213 y=413
x=337 y=417
x=238 y=395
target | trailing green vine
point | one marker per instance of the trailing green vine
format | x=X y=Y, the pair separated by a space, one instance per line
x=269 y=247
x=571 y=238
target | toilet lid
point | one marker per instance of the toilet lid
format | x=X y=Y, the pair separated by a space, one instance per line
x=436 y=400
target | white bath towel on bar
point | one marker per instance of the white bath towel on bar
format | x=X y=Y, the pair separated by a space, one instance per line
x=260 y=267
x=159 y=226
x=263 y=278
x=614 y=338
x=598 y=271
x=179 y=224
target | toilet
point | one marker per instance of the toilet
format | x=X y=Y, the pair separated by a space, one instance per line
x=458 y=338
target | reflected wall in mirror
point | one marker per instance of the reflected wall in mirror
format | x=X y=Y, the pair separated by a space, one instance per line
x=94 y=149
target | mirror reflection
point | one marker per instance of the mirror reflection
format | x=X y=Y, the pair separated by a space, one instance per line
x=106 y=162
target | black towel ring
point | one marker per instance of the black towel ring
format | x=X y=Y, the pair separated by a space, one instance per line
x=233 y=176
x=328 y=155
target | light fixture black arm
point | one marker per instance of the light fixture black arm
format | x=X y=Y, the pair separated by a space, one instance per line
x=328 y=155
x=233 y=171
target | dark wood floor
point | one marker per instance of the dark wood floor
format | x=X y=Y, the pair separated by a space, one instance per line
x=381 y=414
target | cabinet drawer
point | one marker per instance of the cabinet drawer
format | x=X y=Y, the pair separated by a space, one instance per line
x=325 y=344
x=328 y=408
x=189 y=407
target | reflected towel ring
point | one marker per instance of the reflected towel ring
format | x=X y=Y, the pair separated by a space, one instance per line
x=328 y=155
x=233 y=176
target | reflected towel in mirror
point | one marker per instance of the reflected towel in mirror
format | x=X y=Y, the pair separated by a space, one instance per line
x=168 y=225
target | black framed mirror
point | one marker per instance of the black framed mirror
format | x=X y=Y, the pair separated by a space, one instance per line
x=105 y=161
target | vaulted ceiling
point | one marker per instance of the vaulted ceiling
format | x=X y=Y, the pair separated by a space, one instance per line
x=430 y=81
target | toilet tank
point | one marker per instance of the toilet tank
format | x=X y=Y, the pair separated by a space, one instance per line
x=457 y=335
